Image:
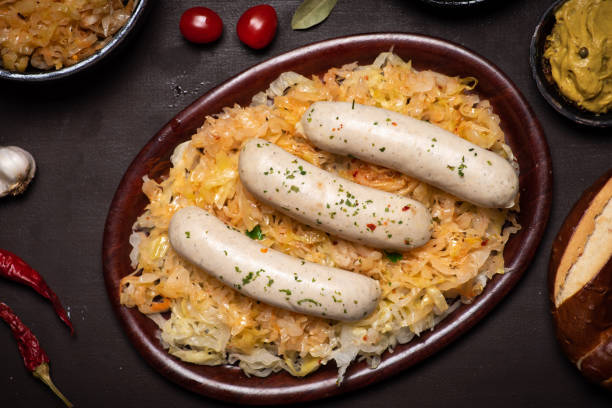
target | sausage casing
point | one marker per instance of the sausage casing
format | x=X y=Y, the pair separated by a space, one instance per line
x=413 y=147
x=328 y=202
x=268 y=275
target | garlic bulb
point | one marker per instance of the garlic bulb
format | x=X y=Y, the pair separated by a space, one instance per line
x=17 y=168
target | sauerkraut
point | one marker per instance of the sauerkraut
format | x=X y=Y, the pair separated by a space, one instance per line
x=210 y=323
x=51 y=34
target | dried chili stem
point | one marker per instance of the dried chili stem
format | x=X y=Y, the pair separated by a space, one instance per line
x=34 y=357
x=42 y=372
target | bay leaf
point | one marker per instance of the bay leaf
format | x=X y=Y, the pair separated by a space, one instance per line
x=311 y=13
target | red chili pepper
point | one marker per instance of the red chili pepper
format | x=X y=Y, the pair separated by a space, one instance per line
x=34 y=357
x=405 y=208
x=372 y=227
x=484 y=243
x=15 y=268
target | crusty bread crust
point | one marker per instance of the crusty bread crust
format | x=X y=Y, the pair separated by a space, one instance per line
x=580 y=283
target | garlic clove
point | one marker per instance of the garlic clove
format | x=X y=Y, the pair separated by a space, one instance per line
x=17 y=169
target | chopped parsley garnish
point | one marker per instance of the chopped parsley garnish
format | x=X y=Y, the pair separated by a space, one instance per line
x=285 y=291
x=255 y=233
x=248 y=279
x=314 y=302
x=251 y=276
x=393 y=256
x=461 y=167
x=187 y=234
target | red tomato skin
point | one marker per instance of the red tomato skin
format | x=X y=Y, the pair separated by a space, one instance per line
x=257 y=26
x=201 y=25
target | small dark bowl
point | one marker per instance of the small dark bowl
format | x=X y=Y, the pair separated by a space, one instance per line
x=540 y=69
x=120 y=37
x=454 y=3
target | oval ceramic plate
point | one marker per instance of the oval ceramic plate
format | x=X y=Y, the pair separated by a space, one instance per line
x=228 y=383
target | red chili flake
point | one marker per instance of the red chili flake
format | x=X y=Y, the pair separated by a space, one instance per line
x=405 y=208
x=394 y=124
x=485 y=242
x=371 y=226
x=263 y=250
x=355 y=173
x=365 y=338
x=366 y=77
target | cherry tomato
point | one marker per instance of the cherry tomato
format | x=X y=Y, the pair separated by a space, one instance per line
x=201 y=25
x=257 y=26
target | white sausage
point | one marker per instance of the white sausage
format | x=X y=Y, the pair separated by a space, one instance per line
x=414 y=147
x=268 y=275
x=322 y=200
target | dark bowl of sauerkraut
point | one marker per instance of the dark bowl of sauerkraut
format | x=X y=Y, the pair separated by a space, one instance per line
x=42 y=40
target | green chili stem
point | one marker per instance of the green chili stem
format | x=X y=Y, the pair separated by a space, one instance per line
x=42 y=372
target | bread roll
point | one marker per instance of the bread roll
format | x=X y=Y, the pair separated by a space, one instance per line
x=580 y=283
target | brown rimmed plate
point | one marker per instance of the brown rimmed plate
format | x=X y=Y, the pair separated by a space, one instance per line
x=228 y=383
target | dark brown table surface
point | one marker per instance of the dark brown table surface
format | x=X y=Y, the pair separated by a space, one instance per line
x=84 y=133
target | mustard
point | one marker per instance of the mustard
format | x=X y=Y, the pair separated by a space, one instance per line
x=580 y=53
